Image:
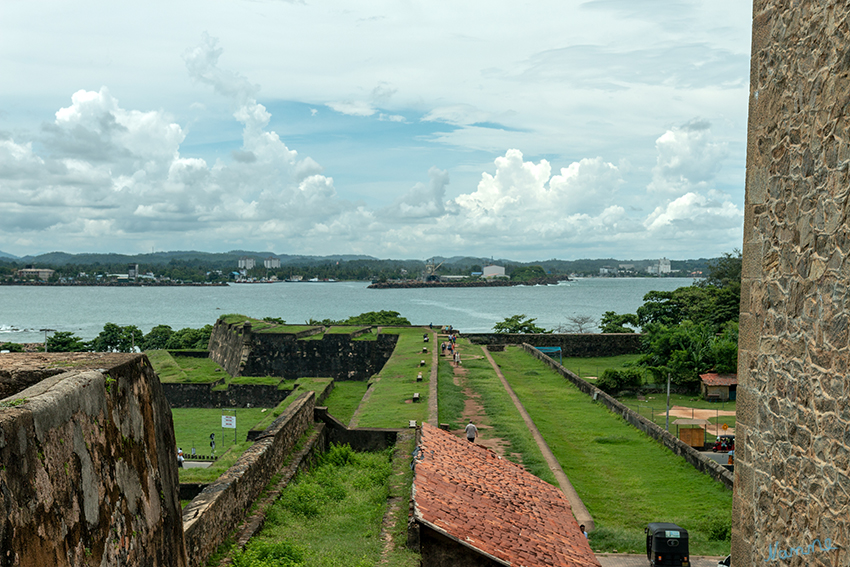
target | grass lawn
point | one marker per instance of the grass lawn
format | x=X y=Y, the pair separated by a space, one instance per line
x=330 y=516
x=594 y=367
x=450 y=397
x=192 y=427
x=625 y=479
x=390 y=402
x=502 y=415
x=185 y=369
x=344 y=399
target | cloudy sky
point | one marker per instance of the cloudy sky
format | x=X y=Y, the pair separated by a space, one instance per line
x=399 y=129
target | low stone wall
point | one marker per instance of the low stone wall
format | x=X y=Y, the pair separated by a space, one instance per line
x=234 y=396
x=584 y=345
x=216 y=512
x=360 y=439
x=691 y=455
x=89 y=474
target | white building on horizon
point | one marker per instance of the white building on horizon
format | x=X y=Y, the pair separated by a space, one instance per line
x=246 y=263
x=271 y=262
x=493 y=272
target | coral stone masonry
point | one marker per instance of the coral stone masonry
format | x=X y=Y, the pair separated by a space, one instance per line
x=792 y=458
x=88 y=473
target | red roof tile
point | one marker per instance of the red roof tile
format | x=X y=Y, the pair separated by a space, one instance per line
x=493 y=505
x=712 y=379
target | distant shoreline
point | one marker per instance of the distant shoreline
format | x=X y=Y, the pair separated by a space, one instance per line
x=477 y=283
x=117 y=284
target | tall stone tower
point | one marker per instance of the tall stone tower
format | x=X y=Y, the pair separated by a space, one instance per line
x=792 y=473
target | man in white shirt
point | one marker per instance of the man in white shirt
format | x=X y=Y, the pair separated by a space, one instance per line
x=471 y=432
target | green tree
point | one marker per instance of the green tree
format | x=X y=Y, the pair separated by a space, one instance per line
x=378 y=318
x=616 y=323
x=724 y=271
x=115 y=338
x=12 y=347
x=683 y=350
x=157 y=338
x=518 y=324
x=66 y=341
x=188 y=338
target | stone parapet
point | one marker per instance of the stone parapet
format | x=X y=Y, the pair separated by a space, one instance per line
x=579 y=345
x=211 y=517
x=89 y=473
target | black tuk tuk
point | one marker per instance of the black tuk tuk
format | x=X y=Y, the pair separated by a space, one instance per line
x=667 y=544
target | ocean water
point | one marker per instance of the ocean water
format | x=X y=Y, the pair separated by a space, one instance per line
x=25 y=310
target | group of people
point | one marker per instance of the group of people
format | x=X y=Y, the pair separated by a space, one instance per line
x=449 y=347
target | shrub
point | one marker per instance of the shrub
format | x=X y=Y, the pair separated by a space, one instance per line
x=266 y=554
x=12 y=347
x=613 y=381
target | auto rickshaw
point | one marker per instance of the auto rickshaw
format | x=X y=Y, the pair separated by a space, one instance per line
x=667 y=544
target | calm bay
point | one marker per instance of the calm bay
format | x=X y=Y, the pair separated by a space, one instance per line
x=84 y=310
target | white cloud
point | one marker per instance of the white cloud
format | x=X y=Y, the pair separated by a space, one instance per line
x=357 y=108
x=688 y=158
x=693 y=214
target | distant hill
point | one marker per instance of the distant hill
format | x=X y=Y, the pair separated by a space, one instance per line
x=228 y=261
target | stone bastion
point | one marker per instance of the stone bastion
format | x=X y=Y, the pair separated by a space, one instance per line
x=88 y=474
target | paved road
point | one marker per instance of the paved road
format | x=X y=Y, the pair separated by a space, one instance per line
x=626 y=560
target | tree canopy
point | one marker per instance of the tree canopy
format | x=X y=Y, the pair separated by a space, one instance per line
x=518 y=324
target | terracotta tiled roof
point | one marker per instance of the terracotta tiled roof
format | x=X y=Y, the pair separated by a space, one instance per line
x=712 y=379
x=470 y=494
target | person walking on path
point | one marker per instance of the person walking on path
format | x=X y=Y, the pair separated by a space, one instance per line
x=471 y=432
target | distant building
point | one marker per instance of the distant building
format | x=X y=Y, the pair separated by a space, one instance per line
x=271 y=262
x=246 y=263
x=607 y=271
x=659 y=268
x=132 y=271
x=719 y=387
x=627 y=267
x=494 y=272
x=30 y=273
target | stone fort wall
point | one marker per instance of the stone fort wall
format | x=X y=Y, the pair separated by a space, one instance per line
x=792 y=473
x=89 y=475
x=242 y=352
x=579 y=345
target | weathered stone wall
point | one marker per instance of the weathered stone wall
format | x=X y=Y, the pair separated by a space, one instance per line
x=217 y=510
x=584 y=345
x=360 y=438
x=89 y=475
x=242 y=352
x=230 y=345
x=234 y=396
x=792 y=486
x=703 y=464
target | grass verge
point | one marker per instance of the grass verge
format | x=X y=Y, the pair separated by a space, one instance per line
x=625 y=479
x=344 y=399
x=329 y=516
x=390 y=404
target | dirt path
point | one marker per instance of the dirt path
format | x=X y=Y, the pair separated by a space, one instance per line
x=433 y=413
x=579 y=510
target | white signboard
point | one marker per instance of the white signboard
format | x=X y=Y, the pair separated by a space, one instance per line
x=228 y=421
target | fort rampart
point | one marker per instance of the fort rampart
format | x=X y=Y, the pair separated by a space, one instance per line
x=691 y=455
x=89 y=473
x=243 y=352
x=579 y=345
